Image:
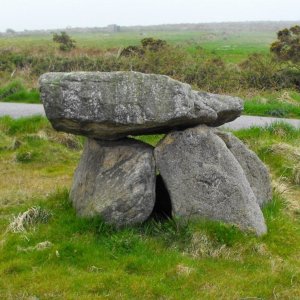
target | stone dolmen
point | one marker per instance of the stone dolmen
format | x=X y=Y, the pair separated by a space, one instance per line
x=206 y=172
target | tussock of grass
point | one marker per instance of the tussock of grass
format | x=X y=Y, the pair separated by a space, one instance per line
x=6 y=142
x=284 y=149
x=296 y=174
x=270 y=143
x=38 y=247
x=28 y=218
x=291 y=155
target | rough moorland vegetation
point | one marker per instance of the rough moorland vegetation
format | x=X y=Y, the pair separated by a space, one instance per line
x=214 y=62
x=287 y=46
x=204 y=71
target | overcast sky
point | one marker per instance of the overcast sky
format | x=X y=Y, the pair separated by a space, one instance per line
x=51 y=14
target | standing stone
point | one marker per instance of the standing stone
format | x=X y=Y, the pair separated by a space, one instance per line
x=204 y=179
x=254 y=169
x=115 y=180
x=112 y=105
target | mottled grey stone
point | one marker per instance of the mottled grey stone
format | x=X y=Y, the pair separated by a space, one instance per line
x=204 y=179
x=115 y=180
x=116 y=104
x=254 y=169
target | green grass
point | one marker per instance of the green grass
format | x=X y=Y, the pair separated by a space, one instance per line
x=88 y=258
x=278 y=146
x=15 y=91
x=178 y=259
x=31 y=96
x=232 y=47
x=282 y=104
x=36 y=159
x=272 y=109
x=16 y=127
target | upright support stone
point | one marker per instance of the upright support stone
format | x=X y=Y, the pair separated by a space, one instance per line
x=204 y=179
x=115 y=180
x=254 y=169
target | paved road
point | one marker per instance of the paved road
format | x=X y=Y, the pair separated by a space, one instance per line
x=17 y=110
x=250 y=121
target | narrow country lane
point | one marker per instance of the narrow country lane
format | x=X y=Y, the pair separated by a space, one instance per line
x=16 y=110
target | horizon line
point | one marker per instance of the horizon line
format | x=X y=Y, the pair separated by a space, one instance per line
x=151 y=25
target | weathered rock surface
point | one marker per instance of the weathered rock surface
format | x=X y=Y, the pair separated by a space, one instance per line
x=254 y=169
x=116 y=104
x=204 y=179
x=116 y=180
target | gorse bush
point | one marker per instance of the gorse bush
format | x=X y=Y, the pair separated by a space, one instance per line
x=213 y=75
x=149 y=44
x=153 y=44
x=64 y=40
x=171 y=61
x=287 y=46
x=262 y=72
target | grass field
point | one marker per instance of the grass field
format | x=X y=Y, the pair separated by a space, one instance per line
x=233 y=48
x=281 y=104
x=60 y=256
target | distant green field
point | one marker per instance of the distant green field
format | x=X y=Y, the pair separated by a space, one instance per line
x=232 y=48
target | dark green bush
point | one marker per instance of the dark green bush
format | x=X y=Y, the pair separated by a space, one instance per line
x=153 y=44
x=287 y=45
x=25 y=156
x=171 y=61
x=261 y=72
x=132 y=50
x=291 y=76
x=213 y=75
x=149 y=44
x=66 y=43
